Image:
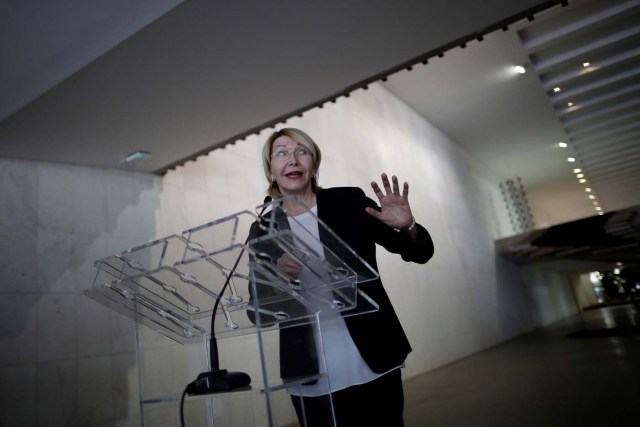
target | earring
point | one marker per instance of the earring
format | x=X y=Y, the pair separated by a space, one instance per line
x=273 y=179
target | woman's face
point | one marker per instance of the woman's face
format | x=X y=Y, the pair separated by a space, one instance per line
x=293 y=167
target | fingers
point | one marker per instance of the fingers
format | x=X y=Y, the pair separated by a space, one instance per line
x=388 y=187
x=377 y=190
x=394 y=179
x=385 y=183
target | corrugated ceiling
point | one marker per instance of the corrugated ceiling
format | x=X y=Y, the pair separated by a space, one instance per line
x=592 y=56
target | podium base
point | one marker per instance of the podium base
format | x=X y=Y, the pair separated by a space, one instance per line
x=215 y=381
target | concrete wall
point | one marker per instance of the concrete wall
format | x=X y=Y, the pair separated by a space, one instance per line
x=66 y=360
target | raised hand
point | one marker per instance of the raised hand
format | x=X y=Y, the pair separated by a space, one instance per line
x=395 y=210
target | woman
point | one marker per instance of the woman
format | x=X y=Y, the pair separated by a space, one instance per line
x=363 y=353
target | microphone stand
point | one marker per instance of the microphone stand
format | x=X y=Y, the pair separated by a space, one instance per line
x=220 y=379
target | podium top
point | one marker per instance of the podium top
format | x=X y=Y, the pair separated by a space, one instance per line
x=172 y=283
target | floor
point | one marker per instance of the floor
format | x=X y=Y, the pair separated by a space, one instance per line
x=580 y=371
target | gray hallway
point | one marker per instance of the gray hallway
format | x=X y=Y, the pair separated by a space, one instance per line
x=543 y=378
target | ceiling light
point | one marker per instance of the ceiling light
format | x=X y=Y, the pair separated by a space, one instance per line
x=591 y=196
x=577 y=170
x=562 y=144
x=600 y=213
x=520 y=69
x=582 y=181
x=596 y=203
x=571 y=159
x=585 y=64
x=588 y=190
x=569 y=104
x=598 y=208
x=132 y=159
x=556 y=89
x=580 y=175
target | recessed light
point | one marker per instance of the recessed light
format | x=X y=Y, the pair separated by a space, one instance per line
x=588 y=190
x=598 y=208
x=591 y=196
x=600 y=213
x=577 y=170
x=571 y=159
x=582 y=181
x=585 y=64
x=520 y=69
x=580 y=175
x=569 y=104
x=556 y=89
x=596 y=203
x=562 y=144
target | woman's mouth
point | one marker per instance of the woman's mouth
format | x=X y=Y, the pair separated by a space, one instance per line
x=294 y=175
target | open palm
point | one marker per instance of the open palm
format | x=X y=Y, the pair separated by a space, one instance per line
x=395 y=210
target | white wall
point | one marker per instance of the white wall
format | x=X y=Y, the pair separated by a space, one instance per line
x=66 y=360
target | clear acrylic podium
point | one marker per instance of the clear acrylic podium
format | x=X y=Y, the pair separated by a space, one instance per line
x=267 y=323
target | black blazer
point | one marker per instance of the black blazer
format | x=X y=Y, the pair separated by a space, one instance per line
x=378 y=335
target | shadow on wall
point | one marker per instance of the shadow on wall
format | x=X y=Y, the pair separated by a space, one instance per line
x=65 y=359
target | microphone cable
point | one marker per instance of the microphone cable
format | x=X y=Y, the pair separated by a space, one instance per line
x=191 y=388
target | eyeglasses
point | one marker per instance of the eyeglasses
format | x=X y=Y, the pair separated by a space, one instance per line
x=284 y=154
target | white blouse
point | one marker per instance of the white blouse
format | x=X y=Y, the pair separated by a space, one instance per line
x=344 y=364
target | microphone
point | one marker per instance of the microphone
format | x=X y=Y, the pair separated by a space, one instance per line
x=220 y=379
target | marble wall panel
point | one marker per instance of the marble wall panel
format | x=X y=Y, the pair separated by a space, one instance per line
x=196 y=208
x=56 y=197
x=56 y=327
x=18 y=395
x=145 y=211
x=194 y=174
x=95 y=379
x=173 y=216
x=18 y=194
x=93 y=328
x=18 y=325
x=90 y=213
x=121 y=199
x=125 y=389
x=123 y=333
x=18 y=259
x=87 y=248
x=57 y=393
x=56 y=266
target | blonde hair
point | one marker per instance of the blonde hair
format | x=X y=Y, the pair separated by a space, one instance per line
x=301 y=138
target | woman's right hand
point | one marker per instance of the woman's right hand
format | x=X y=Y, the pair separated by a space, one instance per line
x=289 y=265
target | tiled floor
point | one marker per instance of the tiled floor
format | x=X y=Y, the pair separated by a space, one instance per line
x=543 y=378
